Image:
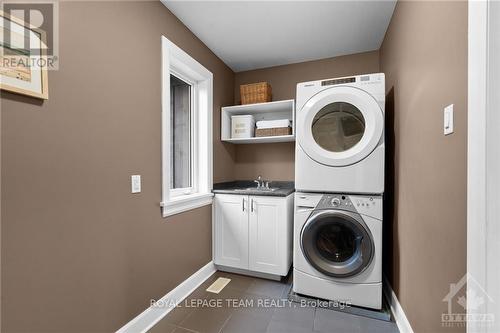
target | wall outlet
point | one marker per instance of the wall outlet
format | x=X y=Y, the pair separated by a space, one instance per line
x=136 y=183
x=448 y=119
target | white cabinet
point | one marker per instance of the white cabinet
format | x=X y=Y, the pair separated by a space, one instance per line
x=253 y=233
x=267 y=234
x=231 y=230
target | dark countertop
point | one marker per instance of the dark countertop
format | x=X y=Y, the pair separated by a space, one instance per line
x=284 y=188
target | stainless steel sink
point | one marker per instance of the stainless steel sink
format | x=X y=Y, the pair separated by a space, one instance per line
x=256 y=189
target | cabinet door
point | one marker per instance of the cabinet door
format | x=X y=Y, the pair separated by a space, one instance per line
x=231 y=230
x=268 y=230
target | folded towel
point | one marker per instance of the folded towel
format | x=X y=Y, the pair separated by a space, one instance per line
x=262 y=124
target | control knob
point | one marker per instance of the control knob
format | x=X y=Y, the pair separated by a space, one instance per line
x=336 y=202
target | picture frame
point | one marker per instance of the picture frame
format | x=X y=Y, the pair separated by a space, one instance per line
x=23 y=70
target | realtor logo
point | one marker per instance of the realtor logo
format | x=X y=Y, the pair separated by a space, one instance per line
x=467 y=306
x=38 y=16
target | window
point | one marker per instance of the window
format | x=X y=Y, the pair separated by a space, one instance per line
x=181 y=145
x=186 y=131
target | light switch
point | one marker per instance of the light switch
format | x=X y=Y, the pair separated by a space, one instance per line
x=136 y=183
x=448 y=119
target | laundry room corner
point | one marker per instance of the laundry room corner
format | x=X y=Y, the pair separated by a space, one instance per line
x=236 y=166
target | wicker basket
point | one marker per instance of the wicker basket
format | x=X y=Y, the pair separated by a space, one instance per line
x=273 y=131
x=255 y=93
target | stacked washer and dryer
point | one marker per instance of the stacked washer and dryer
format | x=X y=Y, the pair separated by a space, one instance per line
x=339 y=177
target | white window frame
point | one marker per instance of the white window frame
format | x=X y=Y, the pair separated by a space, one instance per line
x=180 y=64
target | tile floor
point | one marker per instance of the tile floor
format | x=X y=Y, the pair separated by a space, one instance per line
x=270 y=312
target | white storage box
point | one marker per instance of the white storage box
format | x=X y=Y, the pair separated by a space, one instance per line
x=242 y=126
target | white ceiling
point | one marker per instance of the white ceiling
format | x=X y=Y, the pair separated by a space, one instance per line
x=255 y=34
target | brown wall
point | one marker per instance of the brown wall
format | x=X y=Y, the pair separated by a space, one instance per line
x=276 y=161
x=424 y=57
x=80 y=253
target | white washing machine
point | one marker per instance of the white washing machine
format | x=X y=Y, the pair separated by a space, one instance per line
x=340 y=135
x=338 y=248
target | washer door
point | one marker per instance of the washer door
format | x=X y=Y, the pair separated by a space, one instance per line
x=340 y=126
x=337 y=243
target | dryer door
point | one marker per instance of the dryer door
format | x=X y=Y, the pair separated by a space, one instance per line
x=340 y=126
x=337 y=243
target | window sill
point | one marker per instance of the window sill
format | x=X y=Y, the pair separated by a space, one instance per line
x=184 y=203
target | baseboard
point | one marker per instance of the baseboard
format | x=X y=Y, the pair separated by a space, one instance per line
x=249 y=273
x=149 y=317
x=396 y=309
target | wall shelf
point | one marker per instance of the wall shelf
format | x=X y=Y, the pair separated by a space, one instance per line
x=261 y=111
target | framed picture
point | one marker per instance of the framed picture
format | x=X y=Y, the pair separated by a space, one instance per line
x=23 y=60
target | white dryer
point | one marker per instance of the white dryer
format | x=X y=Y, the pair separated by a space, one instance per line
x=338 y=248
x=340 y=135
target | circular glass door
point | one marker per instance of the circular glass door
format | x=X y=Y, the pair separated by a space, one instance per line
x=337 y=243
x=340 y=126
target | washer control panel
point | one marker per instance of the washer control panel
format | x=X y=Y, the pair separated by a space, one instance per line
x=368 y=205
x=362 y=202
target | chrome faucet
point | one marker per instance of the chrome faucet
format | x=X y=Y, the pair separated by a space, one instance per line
x=259 y=182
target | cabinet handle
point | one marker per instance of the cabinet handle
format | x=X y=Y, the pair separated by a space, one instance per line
x=251 y=206
x=243 y=204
